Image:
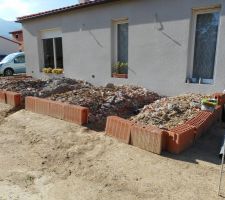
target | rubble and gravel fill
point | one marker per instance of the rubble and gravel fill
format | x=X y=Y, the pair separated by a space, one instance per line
x=169 y=112
x=40 y=88
x=122 y=101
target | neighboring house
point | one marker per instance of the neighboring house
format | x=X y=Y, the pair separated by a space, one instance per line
x=18 y=36
x=171 y=46
x=8 y=46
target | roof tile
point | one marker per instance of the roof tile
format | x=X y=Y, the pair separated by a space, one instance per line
x=64 y=9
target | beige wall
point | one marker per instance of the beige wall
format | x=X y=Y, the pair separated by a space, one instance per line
x=159 y=41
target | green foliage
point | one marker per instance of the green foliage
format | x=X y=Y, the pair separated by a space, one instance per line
x=120 y=68
x=47 y=70
x=209 y=102
x=57 y=71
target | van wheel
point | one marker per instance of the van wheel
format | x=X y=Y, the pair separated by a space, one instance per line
x=8 y=72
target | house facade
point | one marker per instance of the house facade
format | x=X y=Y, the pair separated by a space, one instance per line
x=7 y=46
x=18 y=36
x=168 y=46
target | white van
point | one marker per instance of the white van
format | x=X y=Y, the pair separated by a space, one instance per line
x=13 y=64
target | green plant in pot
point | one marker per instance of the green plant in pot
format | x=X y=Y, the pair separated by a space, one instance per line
x=120 y=68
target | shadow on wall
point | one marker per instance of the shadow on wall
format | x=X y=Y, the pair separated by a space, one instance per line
x=161 y=29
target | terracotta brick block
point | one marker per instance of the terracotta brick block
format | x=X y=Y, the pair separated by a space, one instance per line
x=220 y=97
x=202 y=122
x=119 y=128
x=180 y=138
x=2 y=97
x=42 y=106
x=30 y=103
x=56 y=109
x=13 y=98
x=76 y=114
x=149 y=138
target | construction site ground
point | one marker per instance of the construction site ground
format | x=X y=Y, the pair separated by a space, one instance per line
x=45 y=158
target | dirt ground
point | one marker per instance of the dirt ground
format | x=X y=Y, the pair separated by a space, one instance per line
x=46 y=158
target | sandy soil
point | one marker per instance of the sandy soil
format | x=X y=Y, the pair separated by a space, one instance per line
x=45 y=158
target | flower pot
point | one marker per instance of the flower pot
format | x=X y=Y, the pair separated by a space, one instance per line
x=114 y=75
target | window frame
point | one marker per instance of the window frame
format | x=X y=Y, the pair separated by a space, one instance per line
x=115 y=23
x=51 y=34
x=195 y=13
x=116 y=36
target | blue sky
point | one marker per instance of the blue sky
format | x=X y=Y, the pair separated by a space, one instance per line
x=10 y=9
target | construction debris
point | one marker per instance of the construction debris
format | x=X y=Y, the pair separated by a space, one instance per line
x=123 y=101
x=171 y=111
x=40 y=88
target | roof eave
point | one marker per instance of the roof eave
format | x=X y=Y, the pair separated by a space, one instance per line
x=62 y=10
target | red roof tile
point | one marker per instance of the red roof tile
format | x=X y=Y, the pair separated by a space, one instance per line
x=64 y=9
x=17 y=31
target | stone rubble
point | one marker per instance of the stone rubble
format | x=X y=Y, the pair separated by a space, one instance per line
x=169 y=112
x=122 y=101
x=40 y=88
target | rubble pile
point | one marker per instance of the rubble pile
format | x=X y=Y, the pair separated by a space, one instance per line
x=123 y=100
x=27 y=87
x=40 y=88
x=61 y=85
x=171 y=111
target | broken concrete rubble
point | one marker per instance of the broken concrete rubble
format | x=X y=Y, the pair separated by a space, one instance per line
x=123 y=100
x=40 y=88
x=169 y=112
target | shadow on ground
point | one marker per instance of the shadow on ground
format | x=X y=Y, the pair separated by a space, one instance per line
x=206 y=149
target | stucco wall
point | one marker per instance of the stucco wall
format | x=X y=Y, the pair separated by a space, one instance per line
x=7 y=47
x=159 y=33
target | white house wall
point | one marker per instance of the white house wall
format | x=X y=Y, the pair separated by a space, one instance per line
x=159 y=40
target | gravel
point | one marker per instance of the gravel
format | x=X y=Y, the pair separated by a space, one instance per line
x=40 y=88
x=125 y=101
x=169 y=112
x=122 y=101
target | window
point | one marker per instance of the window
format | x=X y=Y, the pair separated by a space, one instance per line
x=59 y=52
x=52 y=48
x=53 y=54
x=19 y=59
x=120 y=51
x=205 y=43
x=17 y=36
x=122 y=42
x=48 y=52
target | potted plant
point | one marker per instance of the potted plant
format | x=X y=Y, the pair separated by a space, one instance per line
x=209 y=104
x=57 y=71
x=120 y=70
x=47 y=70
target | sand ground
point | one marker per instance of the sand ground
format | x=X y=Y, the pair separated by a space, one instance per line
x=45 y=158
